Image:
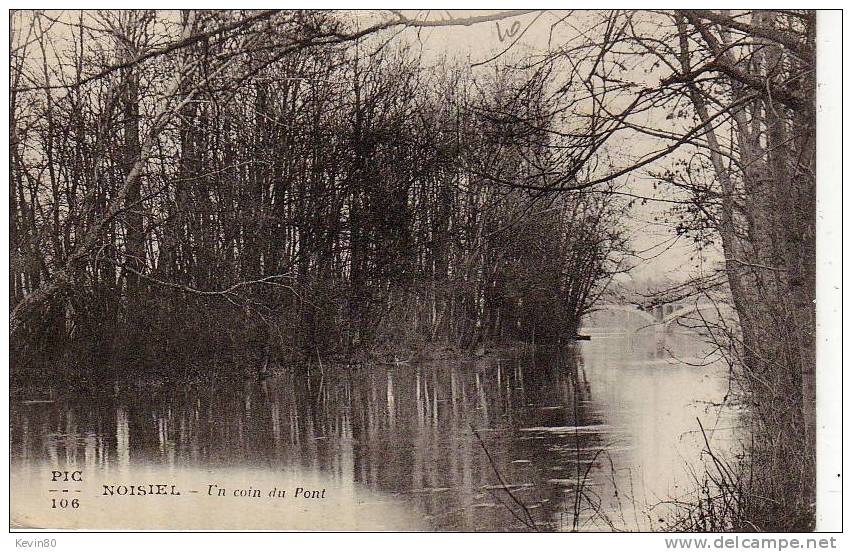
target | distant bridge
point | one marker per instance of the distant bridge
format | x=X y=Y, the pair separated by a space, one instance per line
x=666 y=314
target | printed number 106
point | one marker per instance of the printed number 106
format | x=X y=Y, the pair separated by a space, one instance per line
x=64 y=503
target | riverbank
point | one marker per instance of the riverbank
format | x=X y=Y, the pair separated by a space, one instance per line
x=96 y=372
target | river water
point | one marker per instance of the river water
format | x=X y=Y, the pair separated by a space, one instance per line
x=597 y=437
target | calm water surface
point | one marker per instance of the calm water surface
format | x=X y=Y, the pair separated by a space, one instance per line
x=597 y=437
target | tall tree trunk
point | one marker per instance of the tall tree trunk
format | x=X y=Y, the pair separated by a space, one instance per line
x=135 y=240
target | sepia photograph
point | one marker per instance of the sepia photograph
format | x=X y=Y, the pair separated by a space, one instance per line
x=422 y=270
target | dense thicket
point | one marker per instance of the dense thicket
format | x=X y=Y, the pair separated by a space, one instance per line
x=265 y=190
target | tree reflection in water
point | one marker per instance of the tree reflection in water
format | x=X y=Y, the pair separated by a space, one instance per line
x=567 y=455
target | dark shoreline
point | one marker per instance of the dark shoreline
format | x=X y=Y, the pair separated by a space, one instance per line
x=88 y=380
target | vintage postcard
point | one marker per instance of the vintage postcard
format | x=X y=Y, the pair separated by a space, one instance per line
x=423 y=270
